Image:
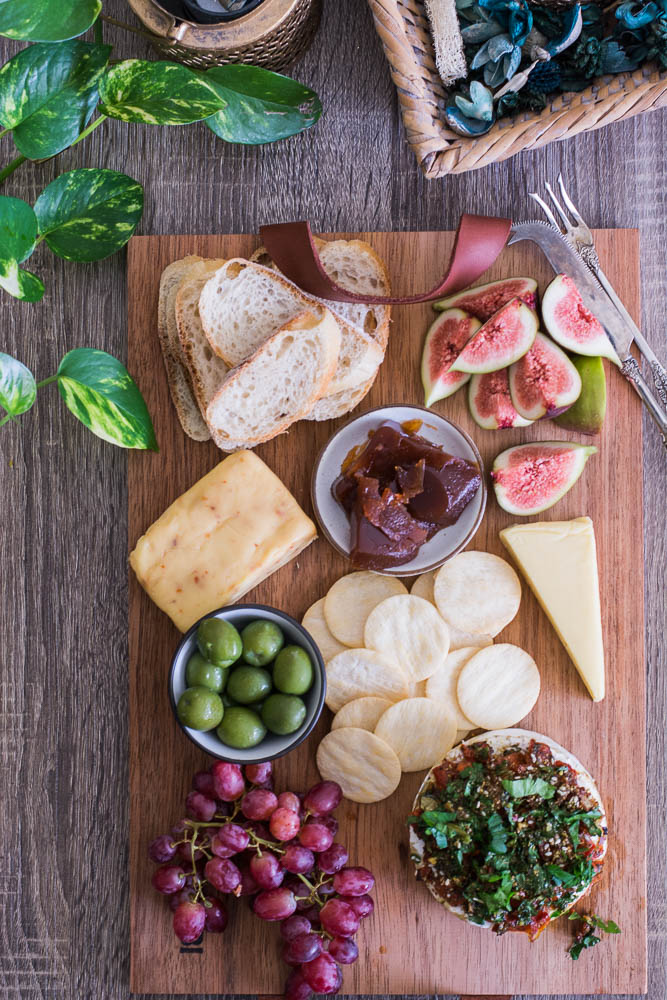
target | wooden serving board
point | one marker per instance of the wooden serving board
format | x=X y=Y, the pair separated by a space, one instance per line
x=410 y=945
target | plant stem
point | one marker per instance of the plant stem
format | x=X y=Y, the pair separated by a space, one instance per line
x=45 y=381
x=126 y=27
x=97 y=31
x=5 y=419
x=4 y=132
x=91 y=128
x=11 y=167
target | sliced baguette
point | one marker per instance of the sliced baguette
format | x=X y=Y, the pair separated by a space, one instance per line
x=279 y=383
x=207 y=370
x=339 y=403
x=178 y=377
x=355 y=266
x=243 y=304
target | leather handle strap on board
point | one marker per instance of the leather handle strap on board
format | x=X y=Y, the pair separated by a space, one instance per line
x=479 y=241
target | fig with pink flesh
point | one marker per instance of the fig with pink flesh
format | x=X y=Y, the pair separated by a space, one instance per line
x=484 y=300
x=587 y=414
x=490 y=402
x=530 y=478
x=446 y=338
x=500 y=341
x=571 y=324
x=544 y=382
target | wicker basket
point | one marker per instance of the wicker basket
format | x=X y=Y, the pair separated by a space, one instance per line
x=273 y=35
x=404 y=30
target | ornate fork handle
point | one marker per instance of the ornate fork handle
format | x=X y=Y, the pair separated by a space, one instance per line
x=632 y=371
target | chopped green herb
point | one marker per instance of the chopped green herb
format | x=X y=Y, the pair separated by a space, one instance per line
x=585 y=937
x=523 y=787
x=581 y=873
x=498 y=843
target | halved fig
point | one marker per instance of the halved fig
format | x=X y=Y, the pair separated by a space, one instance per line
x=571 y=324
x=544 y=382
x=587 y=414
x=446 y=338
x=490 y=402
x=484 y=300
x=500 y=342
x=530 y=478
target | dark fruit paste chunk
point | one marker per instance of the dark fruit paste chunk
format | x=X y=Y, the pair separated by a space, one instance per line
x=398 y=492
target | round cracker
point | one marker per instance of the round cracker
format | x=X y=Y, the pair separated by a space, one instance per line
x=315 y=623
x=498 y=686
x=362 y=713
x=441 y=687
x=361 y=673
x=459 y=639
x=477 y=592
x=419 y=730
x=350 y=601
x=365 y=767
x=411 y=631
x=423 y=586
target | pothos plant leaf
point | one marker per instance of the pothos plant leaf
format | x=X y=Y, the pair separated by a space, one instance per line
x=260 y=106
x=157 y=93
x=17 y=386
x=101 y=393
x=47 y=20
x=48 y=93
x=18 y=234
x=87 y=214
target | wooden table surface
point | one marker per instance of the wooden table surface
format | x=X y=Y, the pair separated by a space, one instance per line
x=63 y=521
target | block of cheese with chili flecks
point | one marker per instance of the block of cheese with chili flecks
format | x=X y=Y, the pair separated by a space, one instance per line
x=220 y=539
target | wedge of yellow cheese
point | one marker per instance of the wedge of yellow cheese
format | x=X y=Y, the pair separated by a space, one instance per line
x=229 y=532
x=559 y=561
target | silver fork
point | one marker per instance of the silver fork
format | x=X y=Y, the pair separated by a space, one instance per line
x=580 y=237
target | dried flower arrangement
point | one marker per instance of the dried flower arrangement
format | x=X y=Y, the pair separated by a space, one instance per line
x=518 y=52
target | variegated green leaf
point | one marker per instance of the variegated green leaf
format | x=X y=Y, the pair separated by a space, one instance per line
x=88 y=214
x=156 y=93
x=21 y=284
x=260 y=106
x=47 y=20
x=48 y=93
x=101 y=393
x=18 y=229
x=18 y=233
x=17 y=386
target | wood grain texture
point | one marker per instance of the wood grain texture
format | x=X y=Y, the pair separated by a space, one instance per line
x=409 y=946
x=64 y=922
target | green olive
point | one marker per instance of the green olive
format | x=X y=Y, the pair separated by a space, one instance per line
x=241 y=728
x=219 y=641
x=292 y=671
x=249 y=684
x=200 y=673
x=200 y=708
x=262 y=640
x=283 y=713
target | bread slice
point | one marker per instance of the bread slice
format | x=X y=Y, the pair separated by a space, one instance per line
x=355 y=266
x=279 y=383
x=340 y=403
x=178 y=377
x=243 y=304
x=207 y=370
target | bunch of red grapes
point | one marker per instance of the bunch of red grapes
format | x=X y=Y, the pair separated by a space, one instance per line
x=241 y=839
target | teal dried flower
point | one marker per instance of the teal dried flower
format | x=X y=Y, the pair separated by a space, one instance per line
x=638 y=15
x=515 y=101
x=586 y=57
x=500 y=57
x=480 y=103
x=515 y=16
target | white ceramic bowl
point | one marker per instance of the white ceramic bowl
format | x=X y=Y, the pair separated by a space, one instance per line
x=436 y=429
x=272 y=746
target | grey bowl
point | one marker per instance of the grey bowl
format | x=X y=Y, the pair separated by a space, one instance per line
x=272 y=746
